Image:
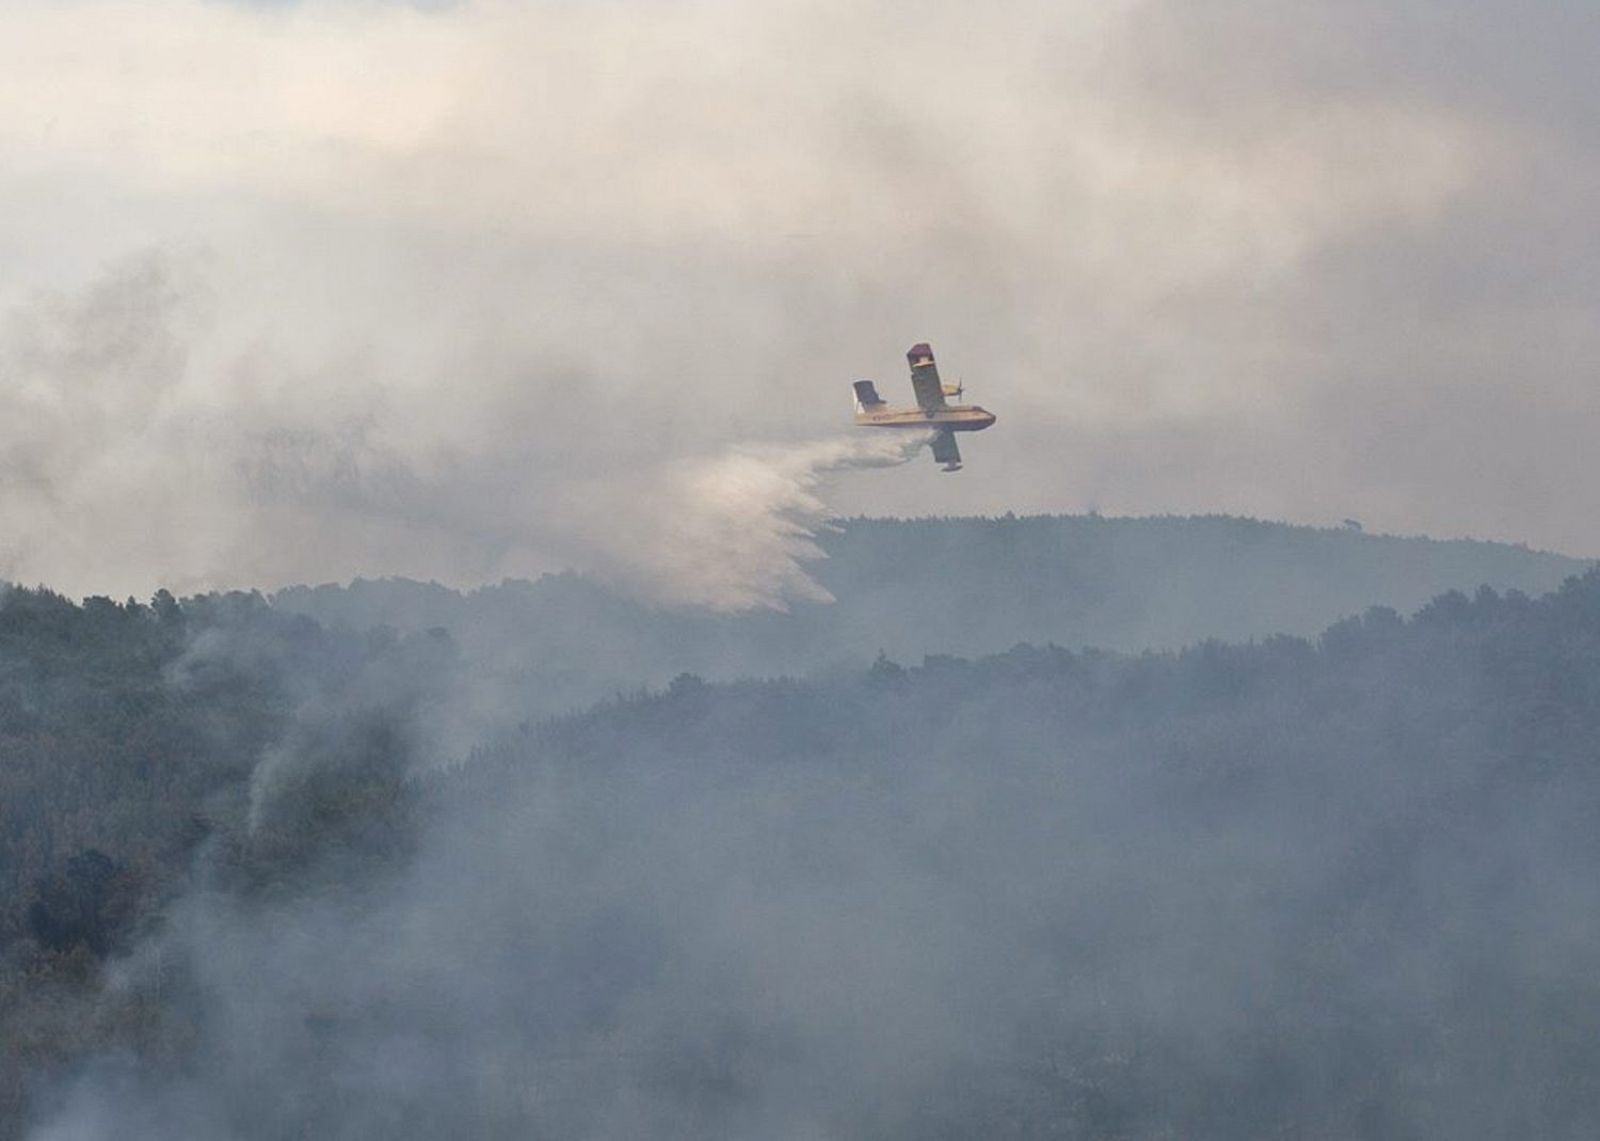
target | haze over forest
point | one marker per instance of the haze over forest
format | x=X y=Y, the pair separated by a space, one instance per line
x=533 y=711
x=910 y=588
x=327 y=863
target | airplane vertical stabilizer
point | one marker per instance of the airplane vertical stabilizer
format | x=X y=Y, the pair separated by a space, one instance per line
x=867 y=395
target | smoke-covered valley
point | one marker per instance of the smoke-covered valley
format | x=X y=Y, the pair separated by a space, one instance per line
x=273 y=874
x=1338 y=886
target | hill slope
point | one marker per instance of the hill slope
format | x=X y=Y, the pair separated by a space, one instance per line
x=1343 y=888
x=963 y=586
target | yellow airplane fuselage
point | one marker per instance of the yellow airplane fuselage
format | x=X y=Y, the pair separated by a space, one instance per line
x=951 y=418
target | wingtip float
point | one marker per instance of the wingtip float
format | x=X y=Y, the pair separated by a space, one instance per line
x=932 y=413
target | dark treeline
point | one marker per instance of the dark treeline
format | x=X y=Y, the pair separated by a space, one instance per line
x=1312 y=888
x=131 y=736
x=954 y=586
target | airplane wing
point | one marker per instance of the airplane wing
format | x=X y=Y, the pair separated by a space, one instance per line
x=925 y=378
x=946 y=452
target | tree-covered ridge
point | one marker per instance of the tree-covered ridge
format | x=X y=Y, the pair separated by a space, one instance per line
x=944 y=586
x=1165 y=581
x=1488 y=654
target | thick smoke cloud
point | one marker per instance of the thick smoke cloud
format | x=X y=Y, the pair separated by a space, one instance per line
x=258 y=473
x=418 y=273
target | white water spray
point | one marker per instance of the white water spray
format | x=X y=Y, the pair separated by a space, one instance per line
x=732 y=531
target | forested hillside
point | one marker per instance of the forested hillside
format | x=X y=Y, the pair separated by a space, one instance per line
x=132 y=739
x=952 y=586
x=1321 y=888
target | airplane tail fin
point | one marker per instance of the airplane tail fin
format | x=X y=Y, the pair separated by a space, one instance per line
x=867 y=398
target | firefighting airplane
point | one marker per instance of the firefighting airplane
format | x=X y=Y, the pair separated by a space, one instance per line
x=931 y=412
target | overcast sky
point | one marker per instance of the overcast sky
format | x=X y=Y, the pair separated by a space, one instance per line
x=301 y=291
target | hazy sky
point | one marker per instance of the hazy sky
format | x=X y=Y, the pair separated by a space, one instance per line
x=301 y=291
